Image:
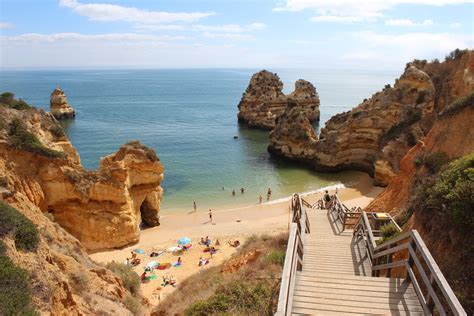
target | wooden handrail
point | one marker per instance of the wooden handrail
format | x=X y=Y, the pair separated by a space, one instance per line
x=341 y=212
x=294 y=255
x=436 y=296
x=409 y=253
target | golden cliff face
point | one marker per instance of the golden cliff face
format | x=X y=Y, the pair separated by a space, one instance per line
x=264 y=102
x=102 y=208
x=375 y=135
x=64 y=280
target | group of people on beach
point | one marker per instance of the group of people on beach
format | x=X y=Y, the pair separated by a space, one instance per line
x=242 y=191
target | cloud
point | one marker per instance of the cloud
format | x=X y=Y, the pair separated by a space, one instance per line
x=111 y=12
x=354 y=10
x=408 y=22
x=335 y=18
x=229 y=31
x=396 y=50
x=6 y=25
x=77 y=37
x=455 y=25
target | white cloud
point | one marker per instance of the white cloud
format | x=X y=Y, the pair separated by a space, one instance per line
x=76 y=37
x=111 y=12
x=6 y=25
x=455 y=25
x=408 y=22
x=396 y=50
x=354 y=10
x=335 y=18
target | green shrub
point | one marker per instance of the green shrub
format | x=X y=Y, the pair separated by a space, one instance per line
x=150 y=153
x=15 y=291
x=451 y=194
x=57 y=131
x=21 y=138
x=388 y=231
x=24 y=231
x=133 y=305
x=276 y=257
x=7 y=99
x=236 y=298
x=458 y=105
x=434 y=162
x=130 y=278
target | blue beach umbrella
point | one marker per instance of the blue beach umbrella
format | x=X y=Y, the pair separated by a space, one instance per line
x=184 y=241
x=140 y=251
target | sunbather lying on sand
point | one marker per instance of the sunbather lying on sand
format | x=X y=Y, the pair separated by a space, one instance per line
x=234 y=243
x=203 y=261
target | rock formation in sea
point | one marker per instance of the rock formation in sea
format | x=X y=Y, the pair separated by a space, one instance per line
x=375 y=135
x=59 y=106
x=264 y=102
x=102 y=208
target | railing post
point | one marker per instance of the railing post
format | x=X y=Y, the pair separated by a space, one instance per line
x=410 y=261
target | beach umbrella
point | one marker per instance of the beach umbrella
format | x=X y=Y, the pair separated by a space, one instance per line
x=184 y=241
x=140 y=251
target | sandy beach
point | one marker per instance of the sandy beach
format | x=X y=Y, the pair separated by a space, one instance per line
x=231 y=224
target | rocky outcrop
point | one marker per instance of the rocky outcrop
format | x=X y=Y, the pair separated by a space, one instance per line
x=64 y=280
x=59 y=106
x=376 y=134
x=450 y=244
x=264 y=102
x=102 y=208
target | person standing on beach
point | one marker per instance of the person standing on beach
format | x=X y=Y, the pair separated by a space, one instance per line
x=269 y=193
x=210 y=215
x=195 y=207
x=260 y=199
x=233 y=192
x=242 y=190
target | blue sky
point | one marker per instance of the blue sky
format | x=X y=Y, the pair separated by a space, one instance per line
x=230 y=33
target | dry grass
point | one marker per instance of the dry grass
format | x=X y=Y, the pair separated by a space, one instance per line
x=213 y=291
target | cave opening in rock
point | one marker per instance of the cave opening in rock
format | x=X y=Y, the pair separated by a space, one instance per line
x=149 y=215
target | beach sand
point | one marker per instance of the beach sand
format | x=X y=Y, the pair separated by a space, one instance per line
x=231 y=224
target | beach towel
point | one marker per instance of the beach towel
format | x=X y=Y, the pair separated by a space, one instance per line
x=177 y=264
x=152 y=264
x=164 y=265
x=151 y=277
x=139 y=251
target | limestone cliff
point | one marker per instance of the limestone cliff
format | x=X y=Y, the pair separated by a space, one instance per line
x=102 y=208
x=450 y=243
x=59 y=106
x=264 y=102
x=62 y=277
x=376 y=134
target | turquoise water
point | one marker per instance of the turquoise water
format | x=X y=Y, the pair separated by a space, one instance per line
x=189 y=117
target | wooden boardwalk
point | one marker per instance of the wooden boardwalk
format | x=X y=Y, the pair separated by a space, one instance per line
x=336 y=277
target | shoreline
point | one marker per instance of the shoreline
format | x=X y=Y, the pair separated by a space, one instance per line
x=228 y=224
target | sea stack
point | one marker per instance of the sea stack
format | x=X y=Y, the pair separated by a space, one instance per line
x=264 y=101
x=59 y=106
x=374 y=136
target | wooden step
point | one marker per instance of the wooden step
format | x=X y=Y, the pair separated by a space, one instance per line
x=349 y=292
x=346 y=309
x=356 y=287
x=408 y=300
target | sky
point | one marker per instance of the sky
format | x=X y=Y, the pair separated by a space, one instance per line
x=355 y=34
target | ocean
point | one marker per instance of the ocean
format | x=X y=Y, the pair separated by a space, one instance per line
x=190 y=118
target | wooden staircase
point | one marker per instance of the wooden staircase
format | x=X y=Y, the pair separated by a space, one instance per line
x=334 y=266
x=336 y=277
